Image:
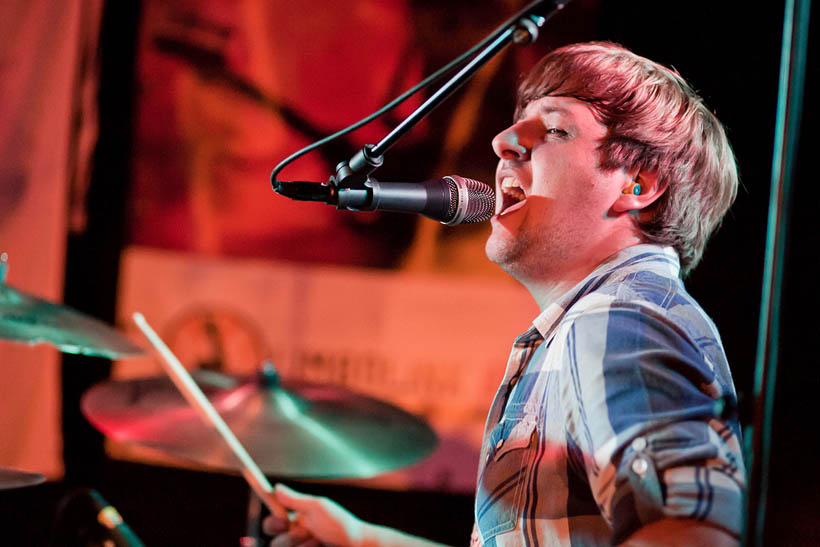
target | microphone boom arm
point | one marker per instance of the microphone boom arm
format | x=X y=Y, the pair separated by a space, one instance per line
x=522 y=28
x=352 y=188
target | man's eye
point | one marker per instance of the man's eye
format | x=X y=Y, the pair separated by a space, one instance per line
x=555 y=131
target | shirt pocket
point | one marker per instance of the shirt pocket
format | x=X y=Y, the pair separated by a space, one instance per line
x=499 y=496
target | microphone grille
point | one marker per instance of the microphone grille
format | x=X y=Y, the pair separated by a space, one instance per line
x=478 y=205
x=452 y=207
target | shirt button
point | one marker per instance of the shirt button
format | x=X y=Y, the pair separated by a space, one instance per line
x=499 y=444
x=638 y=444
x=639 y=466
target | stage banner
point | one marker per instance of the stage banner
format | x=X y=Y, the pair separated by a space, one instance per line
x=434 y=345
x=46 y=136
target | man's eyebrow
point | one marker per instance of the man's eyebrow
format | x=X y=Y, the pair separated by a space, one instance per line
x=549 y=109
x=545 y=109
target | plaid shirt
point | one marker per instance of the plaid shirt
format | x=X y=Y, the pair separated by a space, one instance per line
x=617 y=409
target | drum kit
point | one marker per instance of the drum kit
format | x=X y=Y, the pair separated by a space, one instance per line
x=288 y=429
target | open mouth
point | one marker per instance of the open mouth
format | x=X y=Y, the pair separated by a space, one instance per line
x=512 y=195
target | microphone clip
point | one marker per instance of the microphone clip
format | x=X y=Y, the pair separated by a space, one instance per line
x=352 y=179
x=355 y=172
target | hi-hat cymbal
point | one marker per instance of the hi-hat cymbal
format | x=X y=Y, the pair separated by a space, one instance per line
x=292 y=429
x=31 y=320
x=14 y=478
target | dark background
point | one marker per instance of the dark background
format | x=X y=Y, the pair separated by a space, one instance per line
x=730 y=51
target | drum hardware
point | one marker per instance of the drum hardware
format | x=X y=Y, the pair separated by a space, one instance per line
x=290 y=429
x=293 y=429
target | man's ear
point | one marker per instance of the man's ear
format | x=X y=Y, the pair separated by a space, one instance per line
x=641 y=189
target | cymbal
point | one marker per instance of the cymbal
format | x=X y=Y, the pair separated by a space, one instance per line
x=290 y=429
x=14 y=478
x=31 y=320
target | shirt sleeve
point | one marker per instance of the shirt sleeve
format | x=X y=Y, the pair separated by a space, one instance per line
x=656 y=427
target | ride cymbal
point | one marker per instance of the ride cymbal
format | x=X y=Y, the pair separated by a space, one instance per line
x=290 y=429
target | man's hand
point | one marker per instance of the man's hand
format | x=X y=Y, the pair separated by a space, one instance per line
x=315 y=520
x=320 y=521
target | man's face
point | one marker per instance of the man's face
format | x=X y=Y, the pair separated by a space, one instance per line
x=552 y=200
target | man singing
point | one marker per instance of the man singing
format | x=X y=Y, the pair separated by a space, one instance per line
x=616 y=421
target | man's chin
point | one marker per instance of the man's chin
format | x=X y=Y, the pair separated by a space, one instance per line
x=502 y=251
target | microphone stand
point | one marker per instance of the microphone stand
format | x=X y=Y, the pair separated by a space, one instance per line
x=348 y=189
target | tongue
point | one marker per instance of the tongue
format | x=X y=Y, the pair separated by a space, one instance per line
x=513 y=207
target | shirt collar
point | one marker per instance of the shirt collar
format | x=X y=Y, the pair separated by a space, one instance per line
x=662 y=260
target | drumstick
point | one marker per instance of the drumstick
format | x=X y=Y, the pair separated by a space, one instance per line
x=190 y=390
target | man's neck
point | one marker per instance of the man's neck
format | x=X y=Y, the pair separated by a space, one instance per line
x=545 y=292
x=549 y=284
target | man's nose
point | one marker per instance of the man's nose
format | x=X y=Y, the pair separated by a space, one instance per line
x=512 y=144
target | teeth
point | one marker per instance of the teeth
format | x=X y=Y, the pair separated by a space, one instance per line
x=511 y=187
x=507 y=182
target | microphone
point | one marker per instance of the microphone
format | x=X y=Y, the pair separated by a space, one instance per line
x=450 y=200
x=109 y=517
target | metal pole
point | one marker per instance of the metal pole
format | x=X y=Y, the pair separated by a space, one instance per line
x=787 y=131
